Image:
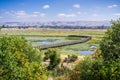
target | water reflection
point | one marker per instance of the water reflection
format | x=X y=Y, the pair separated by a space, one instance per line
x=44 y=41
x=90 y=51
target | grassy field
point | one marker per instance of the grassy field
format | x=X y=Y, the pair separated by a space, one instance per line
x=52 y=32
x=36 y=34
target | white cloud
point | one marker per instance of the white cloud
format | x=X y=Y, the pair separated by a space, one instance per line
x=76 y=6
x=95 y=15
x=117 y=14
x=66 y=15
x=112 y=6
x=46 y=6
x=42 y=14
x=36 y=12
x=23 y=14
x=39 y=14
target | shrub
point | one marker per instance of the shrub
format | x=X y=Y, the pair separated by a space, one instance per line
x=82 y=70
x=19 y=60
x=106 y=65
x=71 y=58
x=54 y=58
x=110 y=51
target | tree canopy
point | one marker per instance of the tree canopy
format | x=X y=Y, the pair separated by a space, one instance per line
x=19 y=60
x=54 y=58
x=110 y=45
x=106 y=65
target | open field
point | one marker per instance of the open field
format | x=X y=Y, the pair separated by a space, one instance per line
x=38 y=34
x=52 y=32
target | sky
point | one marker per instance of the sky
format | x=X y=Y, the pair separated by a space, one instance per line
x=58 y=10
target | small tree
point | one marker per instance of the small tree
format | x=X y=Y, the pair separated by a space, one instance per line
x=110 y=45
x=0 y=28
x=110 y=51
x=54 y=58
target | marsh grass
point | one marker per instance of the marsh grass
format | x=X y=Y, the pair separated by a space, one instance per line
x=36 y=34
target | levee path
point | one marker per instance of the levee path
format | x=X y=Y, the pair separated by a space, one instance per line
x=83 y=39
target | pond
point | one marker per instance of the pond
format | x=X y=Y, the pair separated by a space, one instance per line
x=38 y=40
x=44 y=41
x=86 y=52
x=82 y=51
x=90 y=51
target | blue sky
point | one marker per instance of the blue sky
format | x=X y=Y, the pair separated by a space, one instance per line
x=58 y=10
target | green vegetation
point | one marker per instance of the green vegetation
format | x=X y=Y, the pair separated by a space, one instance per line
x=76 y=47
x=57 y=69
x=73 y=38
x=110 y=52
x=52 y=32
x=106 y=64
x=60 y=73
x=111 y=43
x=36 y=34
x=54 y=58
x=19 y=60
x=82 y=70
x=71 y=58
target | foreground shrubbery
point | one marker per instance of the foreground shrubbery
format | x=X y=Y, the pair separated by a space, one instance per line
x=19 y=60
x=106 y=65
x=71 y=58
x=54 y=58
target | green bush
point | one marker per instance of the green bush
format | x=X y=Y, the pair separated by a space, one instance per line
x=82 y=70
x=71 y=58
x=54 y=58
x=19 y=60
x=110 y=45
x=106 y=65
x=110 y=51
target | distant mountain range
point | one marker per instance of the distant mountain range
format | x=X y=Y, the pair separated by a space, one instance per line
x=58 y=24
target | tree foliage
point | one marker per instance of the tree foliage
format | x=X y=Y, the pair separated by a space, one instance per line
x=110 y=45
x=19 y=60
x=54 y=58
x=106 y=66
x=110 y=52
